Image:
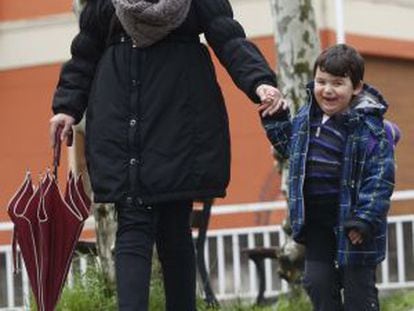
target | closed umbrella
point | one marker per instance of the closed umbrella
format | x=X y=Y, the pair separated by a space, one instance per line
x=47 y=227
x=20 y=210
x=66 y=218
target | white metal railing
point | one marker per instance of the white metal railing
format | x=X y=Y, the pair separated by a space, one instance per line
x=402 y=195
x=396 y=271
x=14 y=288
x=231 y=274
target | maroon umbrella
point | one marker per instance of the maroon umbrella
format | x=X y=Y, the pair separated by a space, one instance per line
x=22 y=210
x=47 y=228
x=66 y=220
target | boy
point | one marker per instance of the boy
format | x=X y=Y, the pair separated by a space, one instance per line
x=341 y=180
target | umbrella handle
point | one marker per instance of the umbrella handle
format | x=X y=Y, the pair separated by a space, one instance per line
x=57 y=148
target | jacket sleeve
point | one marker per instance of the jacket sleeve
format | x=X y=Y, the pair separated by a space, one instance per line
x=77 y=74
x=278 y=130
x=241 y=58
x=377 y=184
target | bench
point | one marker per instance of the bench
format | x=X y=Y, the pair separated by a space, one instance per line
x=258 y=256
x=199 y=220
x=290 y=257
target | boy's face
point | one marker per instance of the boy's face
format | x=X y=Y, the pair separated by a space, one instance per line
x=333 y=93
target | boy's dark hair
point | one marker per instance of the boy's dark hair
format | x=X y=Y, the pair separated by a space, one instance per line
x=341 y=60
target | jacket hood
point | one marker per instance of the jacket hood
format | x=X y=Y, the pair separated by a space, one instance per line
x=369 y=101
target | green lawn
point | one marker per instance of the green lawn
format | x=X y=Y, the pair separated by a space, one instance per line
x=90 y=293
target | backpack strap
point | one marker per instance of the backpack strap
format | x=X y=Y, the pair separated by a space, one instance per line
x=392 y=133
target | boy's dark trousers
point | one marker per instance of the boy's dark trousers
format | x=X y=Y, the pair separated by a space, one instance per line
x=168 y=226
x=323 y=283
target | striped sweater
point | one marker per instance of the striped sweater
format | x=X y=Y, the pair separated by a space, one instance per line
x=323 y=168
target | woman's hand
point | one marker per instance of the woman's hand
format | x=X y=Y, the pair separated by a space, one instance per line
x=61 y=120
x=271 y=99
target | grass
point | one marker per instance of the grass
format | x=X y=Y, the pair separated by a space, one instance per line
x=398 y=301
x=90 y=292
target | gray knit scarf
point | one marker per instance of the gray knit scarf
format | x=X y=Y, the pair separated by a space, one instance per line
x=148 y=21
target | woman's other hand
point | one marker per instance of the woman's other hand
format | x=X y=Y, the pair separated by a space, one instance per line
x=61 y=120
x=271 y=100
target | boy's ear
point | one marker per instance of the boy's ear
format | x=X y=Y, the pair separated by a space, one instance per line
x=358 y=88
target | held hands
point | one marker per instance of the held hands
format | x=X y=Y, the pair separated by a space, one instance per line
x=355 y=237
x=61 y=120
x=271 y=100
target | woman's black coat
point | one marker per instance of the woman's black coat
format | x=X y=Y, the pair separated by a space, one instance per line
x=157 y=128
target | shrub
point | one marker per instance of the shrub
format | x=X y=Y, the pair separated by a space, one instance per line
x=399 y=301
x=89 y=292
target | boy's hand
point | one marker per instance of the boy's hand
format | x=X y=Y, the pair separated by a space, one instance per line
x=355 y=236
x=271 y=99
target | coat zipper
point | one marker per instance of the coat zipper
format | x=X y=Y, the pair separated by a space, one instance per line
x=350 y=143
x=304 y=161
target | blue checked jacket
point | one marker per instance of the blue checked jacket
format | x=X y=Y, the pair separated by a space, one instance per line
x=367 y=180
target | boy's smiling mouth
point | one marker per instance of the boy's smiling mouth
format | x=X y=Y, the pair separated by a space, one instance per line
x=329 y=98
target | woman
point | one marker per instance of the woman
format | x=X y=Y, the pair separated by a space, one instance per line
x=157 y=134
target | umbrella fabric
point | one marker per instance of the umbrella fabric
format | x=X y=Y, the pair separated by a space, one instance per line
x=47 y=228
x=21 y=198
x=23 y=210
x=66 y=219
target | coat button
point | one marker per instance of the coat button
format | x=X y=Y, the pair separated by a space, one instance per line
x=129 y=200
x=133 y=161
x=132 y=122
x=135 y=82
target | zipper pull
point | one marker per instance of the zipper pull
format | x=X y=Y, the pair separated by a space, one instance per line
x=318 y=131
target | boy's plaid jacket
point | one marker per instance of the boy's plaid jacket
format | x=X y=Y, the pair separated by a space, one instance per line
x=367 y=180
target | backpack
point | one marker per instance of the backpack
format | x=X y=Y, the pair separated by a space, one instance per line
x=392 y=132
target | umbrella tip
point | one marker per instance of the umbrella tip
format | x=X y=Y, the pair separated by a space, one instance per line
x=41 y=177
x=49 y=172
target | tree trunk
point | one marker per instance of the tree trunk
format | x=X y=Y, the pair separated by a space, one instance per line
x=77 y=7
x=104 y=214
x=297 y=46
